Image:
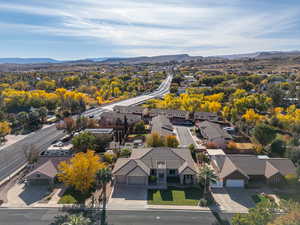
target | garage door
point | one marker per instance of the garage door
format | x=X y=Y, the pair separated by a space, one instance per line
x=235 y=183
x=134 y=180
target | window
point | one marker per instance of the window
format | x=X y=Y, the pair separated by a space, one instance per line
x=172 y=172
x=38 y=175
x=153 y=172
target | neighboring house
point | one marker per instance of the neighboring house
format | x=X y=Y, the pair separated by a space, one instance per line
x=162 y=126
x=117 y=120
x=242 y=170
x=213 y=133
x=157 y=167
x=45 y=171
x=101 y=132
x=179 y=117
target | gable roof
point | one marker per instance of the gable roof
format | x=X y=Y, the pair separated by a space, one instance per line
x=47 y=166
x=253 y=165
x=149 y=158
x=213 y=131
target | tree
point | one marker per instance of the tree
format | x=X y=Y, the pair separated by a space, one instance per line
x=278 y=147
x=84 y=141
x=264 y=134
x=69 y=124
x=171 y=141
x=206 y=177
x=277 y=94
x=43 y=111
x=80 y=171
x=4 y=130
x=155 y=140
x=77 y=220
x=31 y=153
x=262 y=214
x=139 y=127
x=104 y=176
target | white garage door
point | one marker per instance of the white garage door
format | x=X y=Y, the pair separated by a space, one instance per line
x=218 y=184
x=137 y=180
x=235 y=183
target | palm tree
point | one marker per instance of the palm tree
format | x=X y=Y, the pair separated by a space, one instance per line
x=104 y=176
x=206 y=177
x=77 y=220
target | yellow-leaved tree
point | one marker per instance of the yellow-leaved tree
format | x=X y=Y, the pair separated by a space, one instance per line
x=4 y=130
x=80 y=171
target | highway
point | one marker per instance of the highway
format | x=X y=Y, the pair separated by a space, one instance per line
x=12 y=157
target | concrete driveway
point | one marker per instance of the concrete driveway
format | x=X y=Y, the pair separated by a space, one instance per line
x=233 y=200
x=184 y=136
x=21 y=195
x=128 y=198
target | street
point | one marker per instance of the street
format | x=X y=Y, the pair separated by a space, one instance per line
x=47 y=216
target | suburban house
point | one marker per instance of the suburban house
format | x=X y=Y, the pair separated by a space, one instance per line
x=213 y=133
x=45 y=171
x=101 y=132
x=179 y=117
x=241 y=170
x=161 y=125
x=117 y=120
x=156 y=167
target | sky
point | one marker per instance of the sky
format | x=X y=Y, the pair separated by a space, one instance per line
x=76 y=29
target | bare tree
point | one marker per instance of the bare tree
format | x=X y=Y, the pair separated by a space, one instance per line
x=31 y=153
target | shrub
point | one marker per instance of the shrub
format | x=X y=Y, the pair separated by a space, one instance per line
x=211 y=145
x=152 y=178
x=67 y=199
x=232 y=145
x=291 y=179
x=109 y=157
x=203 y=202
x=125 y=152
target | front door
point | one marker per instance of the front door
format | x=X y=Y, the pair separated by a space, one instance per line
x=188 y=179
x=161 y=177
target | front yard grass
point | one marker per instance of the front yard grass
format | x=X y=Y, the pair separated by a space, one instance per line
x=175 y=196
x=72 y=196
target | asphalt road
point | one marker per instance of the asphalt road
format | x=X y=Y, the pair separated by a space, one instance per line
x=47 y=216
x=13 y=158
x=184 y=135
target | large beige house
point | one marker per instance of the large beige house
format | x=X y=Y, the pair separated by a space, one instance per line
x=156 y=166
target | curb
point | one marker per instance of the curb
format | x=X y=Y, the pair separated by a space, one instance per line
x=12 y=175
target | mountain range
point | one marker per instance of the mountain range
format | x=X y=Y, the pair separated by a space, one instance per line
x=152 y=59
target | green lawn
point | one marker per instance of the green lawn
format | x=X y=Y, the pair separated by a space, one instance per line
x=72 y=196
x=175 y=196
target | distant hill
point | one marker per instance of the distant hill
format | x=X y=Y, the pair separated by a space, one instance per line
x=263 y=55
x=153 y=59
x=149 y=59
x=27 y=60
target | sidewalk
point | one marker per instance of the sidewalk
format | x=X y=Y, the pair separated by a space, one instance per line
x=178 y=207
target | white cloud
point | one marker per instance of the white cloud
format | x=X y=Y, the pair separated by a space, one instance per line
x=152 y=28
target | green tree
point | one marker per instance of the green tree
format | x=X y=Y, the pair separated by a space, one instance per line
x=264 y=134
x=262 y=214
x=139 y=127
x=104 y=176
x=278 y=147
x=83 y=141
x=43 y=111
x=206 y=177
